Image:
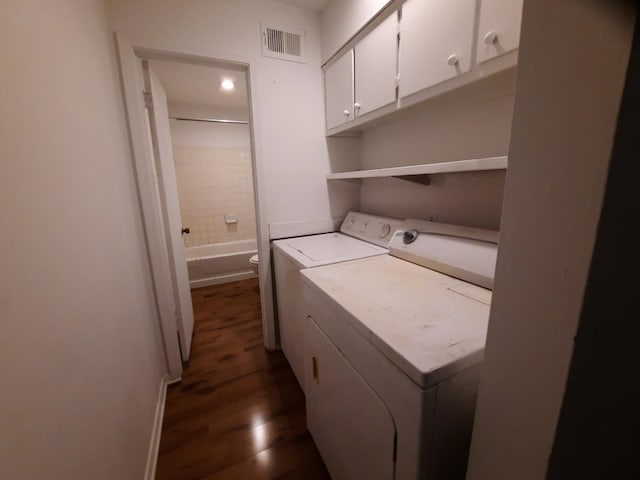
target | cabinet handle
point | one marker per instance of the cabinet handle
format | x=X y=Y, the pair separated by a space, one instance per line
x=356 y=106
x=346 y=113
x=314 y=361
x=452 y=60
x=490 y=38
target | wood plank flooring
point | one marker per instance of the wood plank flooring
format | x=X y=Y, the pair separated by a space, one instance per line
x=239 y=412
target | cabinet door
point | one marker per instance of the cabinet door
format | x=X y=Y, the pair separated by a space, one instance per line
x=499 y=28
x=435 y=42
x=338 y=91
x=376 y=60
x=350 y=425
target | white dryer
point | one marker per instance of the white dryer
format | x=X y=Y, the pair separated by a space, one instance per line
x=394 y=350
x=362 y=236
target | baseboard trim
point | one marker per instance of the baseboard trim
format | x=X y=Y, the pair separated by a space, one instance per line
x=173 y=381
x=154 y=446
x=220 y=279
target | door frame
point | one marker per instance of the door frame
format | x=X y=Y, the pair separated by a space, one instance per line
x=130 y=56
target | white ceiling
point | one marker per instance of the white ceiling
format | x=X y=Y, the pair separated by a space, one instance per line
x=200 y=84
x=317 y=5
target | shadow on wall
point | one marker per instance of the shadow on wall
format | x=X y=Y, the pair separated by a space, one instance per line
x=472 y=199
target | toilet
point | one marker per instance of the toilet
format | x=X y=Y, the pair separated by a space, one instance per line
x=254 y=261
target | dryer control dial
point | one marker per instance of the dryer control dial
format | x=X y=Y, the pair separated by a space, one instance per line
x=409 y=236
x=384 y=230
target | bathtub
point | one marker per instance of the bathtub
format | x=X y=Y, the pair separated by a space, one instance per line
x=220 y=263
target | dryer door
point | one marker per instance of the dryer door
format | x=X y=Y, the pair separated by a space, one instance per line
x=350 y=424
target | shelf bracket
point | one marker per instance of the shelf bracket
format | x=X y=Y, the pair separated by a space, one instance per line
x=421 y=179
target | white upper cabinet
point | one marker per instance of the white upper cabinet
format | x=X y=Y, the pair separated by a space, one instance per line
x=428 y=48
x=342 y=20
x=436 y=42
x=376 y=58
x=499 y=28
x=338 y=87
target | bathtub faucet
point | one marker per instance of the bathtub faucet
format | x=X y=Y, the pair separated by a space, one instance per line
x=185 y=230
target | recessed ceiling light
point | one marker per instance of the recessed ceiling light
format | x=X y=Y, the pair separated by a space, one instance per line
x=227 y=84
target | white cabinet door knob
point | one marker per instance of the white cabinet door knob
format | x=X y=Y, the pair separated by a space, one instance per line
x=452 y=60
x=356 y=105
x=490 y=38
x=346 y=113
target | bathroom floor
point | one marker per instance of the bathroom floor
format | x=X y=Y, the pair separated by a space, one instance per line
x=238 y=412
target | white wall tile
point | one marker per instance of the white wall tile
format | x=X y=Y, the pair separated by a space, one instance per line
x=214 y=181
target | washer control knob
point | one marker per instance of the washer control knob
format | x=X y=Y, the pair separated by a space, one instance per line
x=384 y=230
x=409 y=236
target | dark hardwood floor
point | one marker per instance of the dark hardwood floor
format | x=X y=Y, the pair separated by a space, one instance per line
x=238 y=412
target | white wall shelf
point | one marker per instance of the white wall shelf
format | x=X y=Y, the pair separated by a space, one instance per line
x=420 y=173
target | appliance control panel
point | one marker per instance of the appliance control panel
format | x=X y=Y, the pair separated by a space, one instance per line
x=370 y=228
x=459 y=251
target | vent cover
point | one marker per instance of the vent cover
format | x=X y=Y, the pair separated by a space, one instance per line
x=283 y=43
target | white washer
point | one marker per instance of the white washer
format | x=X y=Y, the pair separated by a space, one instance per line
x=362 y=236
x=394 y=352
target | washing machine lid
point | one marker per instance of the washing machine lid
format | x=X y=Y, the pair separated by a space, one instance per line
x=329 y=247
x=316 y=250
x=362 y=236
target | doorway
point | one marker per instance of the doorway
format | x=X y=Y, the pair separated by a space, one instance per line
x=194 y=150
x=208 y=113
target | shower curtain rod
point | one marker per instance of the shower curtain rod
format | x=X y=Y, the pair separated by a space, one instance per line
x=211 y=120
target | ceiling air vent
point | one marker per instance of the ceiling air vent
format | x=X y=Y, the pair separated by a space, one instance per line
x=283 y=43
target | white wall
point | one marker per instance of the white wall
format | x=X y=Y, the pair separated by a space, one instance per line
x=472 y=199
x=573 y=59
x=290 y=120
x=471 y=123
x=342 y=19
x=80 y=356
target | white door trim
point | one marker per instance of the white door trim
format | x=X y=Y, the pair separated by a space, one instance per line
x=150 y=203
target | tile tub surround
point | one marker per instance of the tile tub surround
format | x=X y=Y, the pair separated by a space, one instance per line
x=214 y=181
